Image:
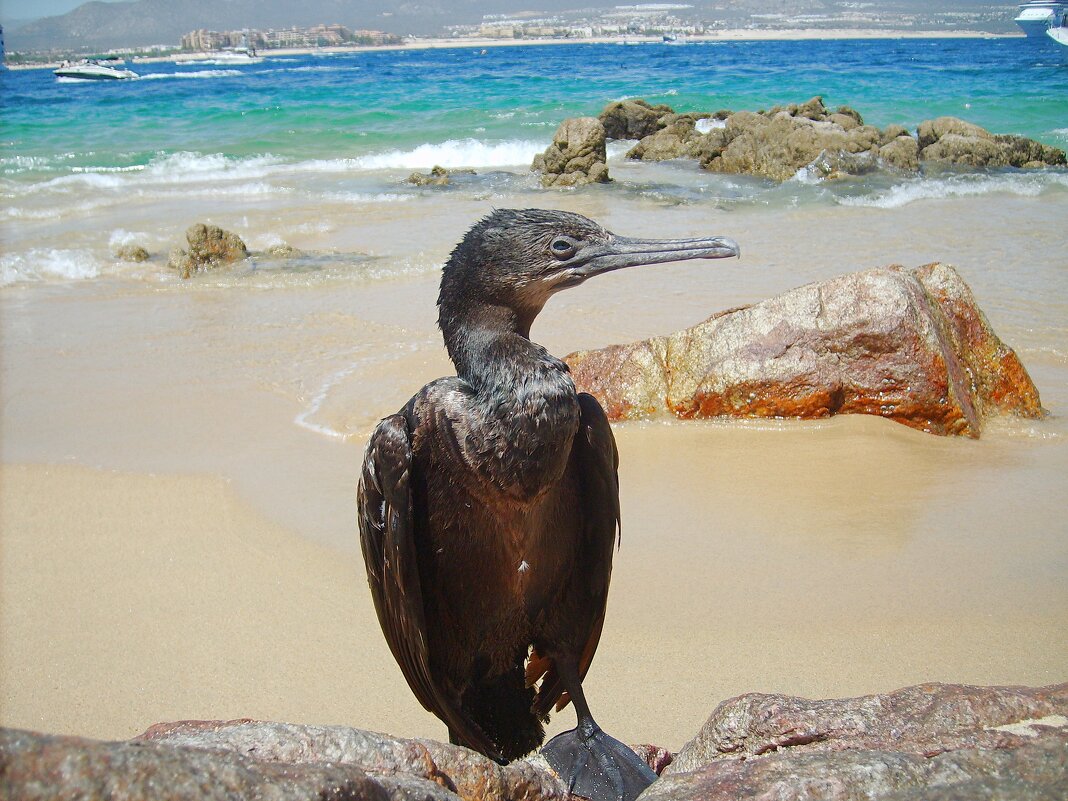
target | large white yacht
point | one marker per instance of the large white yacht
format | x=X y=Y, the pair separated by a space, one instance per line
x=1037 y=15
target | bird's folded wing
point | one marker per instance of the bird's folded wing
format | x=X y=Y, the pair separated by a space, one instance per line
x=387 y=536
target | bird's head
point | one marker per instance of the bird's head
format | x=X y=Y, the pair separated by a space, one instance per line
x=516 y=259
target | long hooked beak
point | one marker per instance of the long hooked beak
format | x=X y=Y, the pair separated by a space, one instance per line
x=620 y=251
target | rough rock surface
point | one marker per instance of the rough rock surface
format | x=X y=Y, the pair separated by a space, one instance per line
x=780 y=142
x=209 y=247
x=131 y=253
x=283 y=250
x=908 y=345
x=947 y=742
x=438 y=176
x=950 y=140
x=459 y=770
x=36 y=766
x=577 y=155
x=929 y=741
x=632 y=119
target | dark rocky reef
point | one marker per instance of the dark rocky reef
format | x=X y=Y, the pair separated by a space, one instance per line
x=932 y=741
x=909 y=345
x=210 y=247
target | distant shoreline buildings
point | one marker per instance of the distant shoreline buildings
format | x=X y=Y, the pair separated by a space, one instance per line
x=203 y=40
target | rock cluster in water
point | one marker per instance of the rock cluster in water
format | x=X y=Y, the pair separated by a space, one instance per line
x=910 y=345
x=210 y=247
x=577 y=155
x=933 y=741
x=780 y=142
x=134 y=253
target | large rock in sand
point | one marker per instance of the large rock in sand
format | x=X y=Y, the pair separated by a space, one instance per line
x=932 y=741
x=210 y=247
x=577 y=155
x=950 y=140
x=908 y=345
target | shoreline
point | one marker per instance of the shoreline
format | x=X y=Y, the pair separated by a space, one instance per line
x=432 y=43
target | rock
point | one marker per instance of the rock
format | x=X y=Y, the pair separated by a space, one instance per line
x=210 y=247
x=37 y=766
x=131 y=253
x=577 y=155
x=632 y=119
x=949 y=140
x=680 y=139
x=929 y=741
x=892 y=132
x=1033 y=771
x=779 y=142
x=438 y=176
x=908 y=345
x=471 y=776
x=283 y=250
x=902 y=153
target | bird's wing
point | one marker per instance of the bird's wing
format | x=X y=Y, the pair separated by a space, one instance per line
x=388 y=539
x=384 y=502
x=596 y=460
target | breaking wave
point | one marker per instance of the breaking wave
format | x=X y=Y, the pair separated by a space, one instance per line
x=47 y=264
x=157 y=76
x=1029 y=184
x=455 y=153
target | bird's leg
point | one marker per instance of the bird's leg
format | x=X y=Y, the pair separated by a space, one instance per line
x=591 y=763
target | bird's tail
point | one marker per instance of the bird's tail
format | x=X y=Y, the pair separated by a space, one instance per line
x=502 y=708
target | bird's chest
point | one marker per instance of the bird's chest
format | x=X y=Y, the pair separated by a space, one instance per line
x=510 y=447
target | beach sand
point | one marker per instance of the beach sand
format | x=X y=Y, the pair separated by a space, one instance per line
x=177 y=513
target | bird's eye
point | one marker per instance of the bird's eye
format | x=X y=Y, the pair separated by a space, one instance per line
x=562 y=248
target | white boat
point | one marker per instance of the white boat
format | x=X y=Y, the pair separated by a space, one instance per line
x=1059 y=33
x=1037 y=15
x=233 y=57
x=89 y=69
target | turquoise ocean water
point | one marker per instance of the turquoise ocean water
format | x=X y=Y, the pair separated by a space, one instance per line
x=349 y=127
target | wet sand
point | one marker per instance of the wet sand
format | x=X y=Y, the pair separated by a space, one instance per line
x=177 y=534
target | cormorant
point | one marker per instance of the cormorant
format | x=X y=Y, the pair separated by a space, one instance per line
x=489 y=504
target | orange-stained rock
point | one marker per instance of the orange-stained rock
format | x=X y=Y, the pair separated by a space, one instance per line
x=907 y=344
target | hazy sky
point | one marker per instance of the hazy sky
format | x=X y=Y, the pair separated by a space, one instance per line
x=30 y=9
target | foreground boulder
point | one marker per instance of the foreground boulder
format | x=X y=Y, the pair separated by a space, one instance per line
x=210 y=247
x=249 y=759
x=908 y=345
x=577 y=155
x=932 y=741
x=809 y=138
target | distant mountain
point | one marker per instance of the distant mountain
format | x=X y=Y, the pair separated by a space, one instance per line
x=145 y=22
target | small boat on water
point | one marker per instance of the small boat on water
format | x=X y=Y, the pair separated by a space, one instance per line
x=234 y=57
x=90 y=69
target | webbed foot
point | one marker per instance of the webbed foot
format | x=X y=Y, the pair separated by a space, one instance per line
x=597 y=766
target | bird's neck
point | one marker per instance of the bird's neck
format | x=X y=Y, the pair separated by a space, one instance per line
x=524 y=407
x=491 y=348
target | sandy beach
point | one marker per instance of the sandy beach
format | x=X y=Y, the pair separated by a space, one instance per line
x=177 y=532
x=431 y=43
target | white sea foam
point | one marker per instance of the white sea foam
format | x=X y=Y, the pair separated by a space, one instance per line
x=455 y=153
x=155 y=76
x=47 y=263
x=709 y=124
x=1025 y=184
